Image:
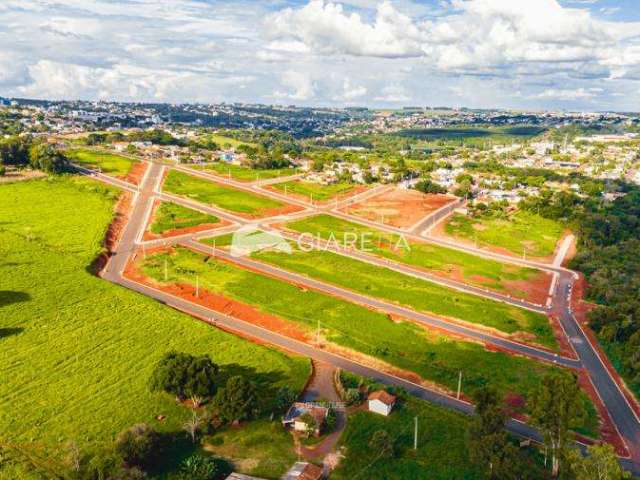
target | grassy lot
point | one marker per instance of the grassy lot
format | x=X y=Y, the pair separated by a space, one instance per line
x=441 y=453
x=171 y=216
x=245 y=174
x=400 y=343
x=522 y=230
x=76 y=351
x=109 y=163
x=472 y=269
x=212 y=193
x=418 y=294
x=226 y=142
x=317 y=191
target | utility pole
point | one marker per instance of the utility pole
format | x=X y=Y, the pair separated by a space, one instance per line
x=524 y=252
x=285 y=190
x=165 y=270
x=213 y=249
x=415 y=433
x=197 y=286
x=459 y=385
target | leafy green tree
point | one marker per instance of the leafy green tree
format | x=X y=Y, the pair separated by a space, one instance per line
x=601 y=463
x=556 y=407
x=47 y=158
x=138 y=446
x=429 y=186
x=284 y=398
x=200 y=467
x=310 y=423
x=382 y=444
x=184 y=375
x=237 y=401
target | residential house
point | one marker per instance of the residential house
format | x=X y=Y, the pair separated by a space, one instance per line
x=304 y=471
x=381 y=402
x=294 y=417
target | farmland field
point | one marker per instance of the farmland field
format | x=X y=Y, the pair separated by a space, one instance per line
x=421 y=295
x=452 y=263
x=109 y=163
x=521 y=232
x=75 y=368
x=171 y=216
x=308 y=190
x=212 y=193
x=400 y=343
x=245 y=174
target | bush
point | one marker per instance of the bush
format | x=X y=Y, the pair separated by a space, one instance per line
x=138 y=446
x=200 y=467
x=3 y=170
x=382 y=444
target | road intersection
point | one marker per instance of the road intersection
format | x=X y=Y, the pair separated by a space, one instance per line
x=588 y=357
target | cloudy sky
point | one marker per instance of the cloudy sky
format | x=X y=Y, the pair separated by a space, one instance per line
x=572 y=54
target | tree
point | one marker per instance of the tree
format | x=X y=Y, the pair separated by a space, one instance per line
x=332 y=420
x=487 y=441
x=556 y=407
x=284 y=398
x=382 y=444
x=47 y=158
x=200 y=467
x=184 y=375
x=237 y=401
x=311 y=425
x=138 y=446
x=428 y=186
x=601 y=463
x=192 y=426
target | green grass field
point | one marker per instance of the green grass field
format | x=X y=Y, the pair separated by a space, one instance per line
x=521 y=232
x=226 y=142
x=415 y=293
x=76 y=351
x=171 y=216
x=109 y=163
x=403 y=344
x=211 y=193
x=245 y=174
x=472 y=269
x=314 y=190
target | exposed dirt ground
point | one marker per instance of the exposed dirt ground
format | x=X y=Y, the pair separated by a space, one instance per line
x=399 y=207
x=136 y=173
x=120 y=219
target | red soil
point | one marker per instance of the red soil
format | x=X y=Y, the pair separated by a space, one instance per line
x=120 y=219
x=149 y=235
x=400 y=207
x=136 y=173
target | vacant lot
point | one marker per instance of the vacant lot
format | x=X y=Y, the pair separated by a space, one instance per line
x=420 y=295
x=314 y=191
x=109 y=163
x=76 y=352
x=450 y=263
x=399 y=207
x=245 y=174
x=171 y=218
x=226 y=142
x=403 y=344
x=520 y=233
x=227 y=198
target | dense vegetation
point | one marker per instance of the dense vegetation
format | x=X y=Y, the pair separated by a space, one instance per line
x=23 y=152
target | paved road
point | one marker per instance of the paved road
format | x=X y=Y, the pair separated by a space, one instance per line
x=430 y=221
x=623 y=416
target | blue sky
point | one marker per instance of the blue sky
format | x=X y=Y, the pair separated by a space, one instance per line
x=529 y=54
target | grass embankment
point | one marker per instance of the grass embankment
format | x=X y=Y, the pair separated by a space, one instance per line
x=76 y=351
x=171 y=216
x=520 y=233
x=420 y=295
x=109 y=163
x=315 y=191
x=471 y=269
x=212 y=193
x=245 y=174
x=402 y=344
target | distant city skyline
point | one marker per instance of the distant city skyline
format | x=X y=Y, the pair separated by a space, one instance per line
x=539 y=54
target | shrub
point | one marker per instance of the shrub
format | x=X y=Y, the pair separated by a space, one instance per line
x=200 y=467
x=382 y=443
x=138 y=446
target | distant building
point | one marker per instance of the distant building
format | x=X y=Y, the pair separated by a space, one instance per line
x=381 y=402
x=295 y=414
x=304 y=471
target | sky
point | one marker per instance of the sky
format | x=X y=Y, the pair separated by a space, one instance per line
x=518 y=54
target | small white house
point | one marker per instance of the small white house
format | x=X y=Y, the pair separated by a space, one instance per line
x=381 y=402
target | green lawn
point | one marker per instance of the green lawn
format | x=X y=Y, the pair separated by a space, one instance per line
x=227 y=142
x=403 y=344
x=441 y=453
x=76 y=351
x=523 y=231
x=314 y=190
x=171 y=216
x=472 y=269
x=109 y=163
x=212 y=193
x=415 y=293
x=245 y=174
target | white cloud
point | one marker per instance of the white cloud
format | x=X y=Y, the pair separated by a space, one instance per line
x=566 y=94
x=300 y=86
x=393 y=94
